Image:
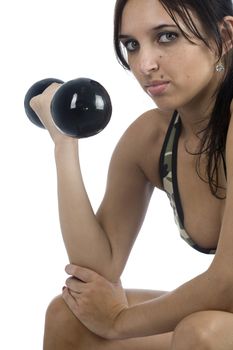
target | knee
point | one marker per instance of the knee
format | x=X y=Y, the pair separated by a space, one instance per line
x=58 y=313
x=61 y=326
x=192 y=333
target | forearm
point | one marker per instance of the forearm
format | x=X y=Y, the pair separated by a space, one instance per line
x=161 y=315
x=85 y=241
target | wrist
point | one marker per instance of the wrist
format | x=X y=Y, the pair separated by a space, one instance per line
x=133 y=322
x=62 y=142
x=120 y=327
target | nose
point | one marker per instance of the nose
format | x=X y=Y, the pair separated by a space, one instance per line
x=148 y=62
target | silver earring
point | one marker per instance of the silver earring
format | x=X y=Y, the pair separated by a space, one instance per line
x=220 y=67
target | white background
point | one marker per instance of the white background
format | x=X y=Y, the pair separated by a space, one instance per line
x=66 y=40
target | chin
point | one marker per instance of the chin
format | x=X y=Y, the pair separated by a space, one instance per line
x=166 y=107
x=169 y=104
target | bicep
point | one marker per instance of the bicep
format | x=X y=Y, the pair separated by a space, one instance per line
x=124 y=205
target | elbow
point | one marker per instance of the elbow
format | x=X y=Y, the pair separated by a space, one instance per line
x=221 y=289
x=112 y=273
x=109 y=274
x=104 y=263
x=106 y=271
x=226 y=294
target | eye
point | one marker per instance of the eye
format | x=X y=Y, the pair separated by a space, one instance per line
x=131 y=45
x=167 y=37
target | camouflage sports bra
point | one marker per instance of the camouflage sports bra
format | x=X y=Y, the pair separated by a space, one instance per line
x=168 y=175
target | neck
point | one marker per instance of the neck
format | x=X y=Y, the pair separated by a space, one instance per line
x=196 y=114
x=194 y=120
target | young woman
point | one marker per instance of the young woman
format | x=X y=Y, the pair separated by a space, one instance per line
x=181 y=54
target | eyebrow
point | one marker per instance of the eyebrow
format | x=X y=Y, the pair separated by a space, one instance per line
x=161 y=26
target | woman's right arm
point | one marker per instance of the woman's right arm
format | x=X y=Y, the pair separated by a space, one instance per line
x=102 y=241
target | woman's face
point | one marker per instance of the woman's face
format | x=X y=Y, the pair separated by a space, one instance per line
x=159 y=55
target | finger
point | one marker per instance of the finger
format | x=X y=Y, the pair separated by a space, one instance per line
x=76 y=296
x=70 y=301
x=52 y=89
x=82 y=273
x=75 y=285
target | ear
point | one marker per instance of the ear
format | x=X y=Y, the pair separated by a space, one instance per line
x=226 y=31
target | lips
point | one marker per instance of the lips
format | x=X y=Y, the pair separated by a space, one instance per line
x=156 y=88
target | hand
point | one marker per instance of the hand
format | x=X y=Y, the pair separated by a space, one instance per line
x=41 y=106
x=96 y=302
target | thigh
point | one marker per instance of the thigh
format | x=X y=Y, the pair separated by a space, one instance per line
x=205 y=330
x=63 y=331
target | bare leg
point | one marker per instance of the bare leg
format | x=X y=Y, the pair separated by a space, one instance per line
x=63 y=331
x=212 y=330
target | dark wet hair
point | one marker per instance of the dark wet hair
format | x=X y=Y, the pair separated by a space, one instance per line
x=210 y=14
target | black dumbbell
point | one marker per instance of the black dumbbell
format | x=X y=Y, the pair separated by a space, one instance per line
x=80 y=108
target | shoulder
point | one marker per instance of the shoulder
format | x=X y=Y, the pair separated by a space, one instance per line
x=153 y=121
x=142 y=142
x=148 y=128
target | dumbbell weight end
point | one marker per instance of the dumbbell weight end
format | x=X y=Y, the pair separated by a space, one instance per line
x=37 y=89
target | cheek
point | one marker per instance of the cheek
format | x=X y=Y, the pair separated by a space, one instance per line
x=135 y=69
x=194 y=70
x=190 y=75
